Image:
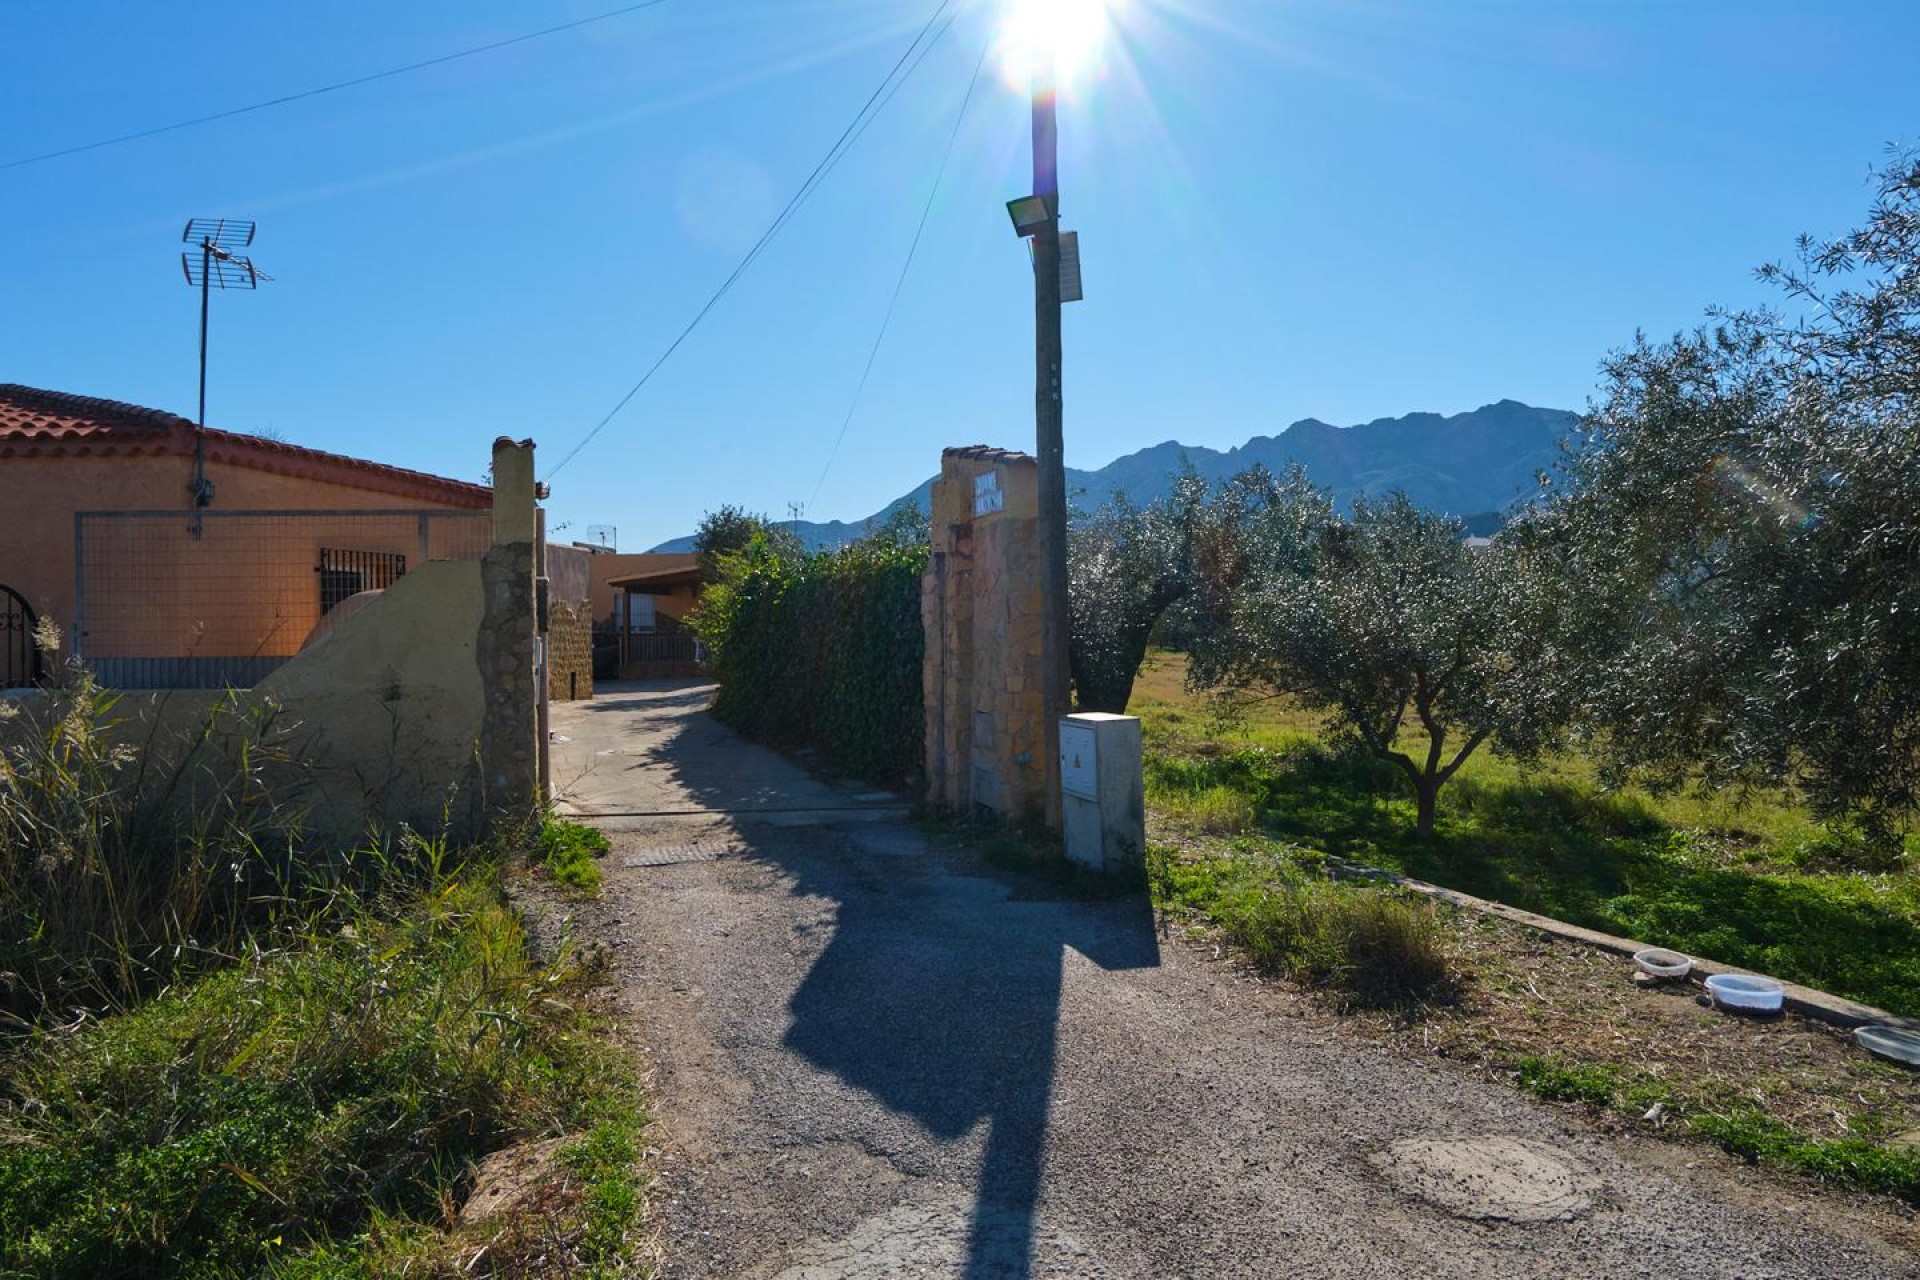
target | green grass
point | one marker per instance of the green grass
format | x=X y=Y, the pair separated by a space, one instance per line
x=312 y=1111
x=606 y=1160
x=1754 y=882
x=1370 y=946
x=568 y=851
x=1854 y=1160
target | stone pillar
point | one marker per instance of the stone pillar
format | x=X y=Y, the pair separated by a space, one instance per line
x=509 y=726
x=569 y=651
x=980 y=607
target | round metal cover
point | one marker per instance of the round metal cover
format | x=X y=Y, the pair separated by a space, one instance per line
x=1493 y=1178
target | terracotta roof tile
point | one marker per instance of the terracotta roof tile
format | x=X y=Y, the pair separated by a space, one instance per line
x=38 y=422
x=56 y=415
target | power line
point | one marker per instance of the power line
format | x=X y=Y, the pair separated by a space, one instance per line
x=388 y=74
x=926 y=210
x=841 y=145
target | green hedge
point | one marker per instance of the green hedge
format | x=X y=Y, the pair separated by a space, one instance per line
x=823 y=651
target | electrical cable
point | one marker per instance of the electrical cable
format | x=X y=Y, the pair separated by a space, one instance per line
x=841 y=145
x=388 y=74
x=899 y=284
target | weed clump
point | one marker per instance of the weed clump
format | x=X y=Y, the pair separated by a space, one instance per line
x=1371 y=946
x=1375 y=949
x=568 y=851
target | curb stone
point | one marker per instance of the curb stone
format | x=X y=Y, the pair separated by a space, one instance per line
x=1808 y=1003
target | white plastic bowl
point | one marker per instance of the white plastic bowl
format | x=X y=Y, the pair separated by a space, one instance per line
x=1746 y=992
x=1889 y=1042
x=1662 y=963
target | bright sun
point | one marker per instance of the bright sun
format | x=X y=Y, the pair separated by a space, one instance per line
x=1068 y=34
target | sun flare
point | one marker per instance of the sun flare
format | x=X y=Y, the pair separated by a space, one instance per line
x=1064 y=36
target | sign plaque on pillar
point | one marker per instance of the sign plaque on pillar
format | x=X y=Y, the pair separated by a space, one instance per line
x=988 y=498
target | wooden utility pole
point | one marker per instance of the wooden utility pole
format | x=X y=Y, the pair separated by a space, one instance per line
x=1050 y=449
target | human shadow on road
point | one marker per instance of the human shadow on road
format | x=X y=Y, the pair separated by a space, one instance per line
x=939 y=990
x=939 y=994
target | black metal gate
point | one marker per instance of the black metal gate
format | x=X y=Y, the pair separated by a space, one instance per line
x=19 y=657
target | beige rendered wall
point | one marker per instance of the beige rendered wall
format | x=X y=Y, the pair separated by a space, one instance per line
x=388 y=703
x=380 y=717
x=41 y=495
x=980 y=606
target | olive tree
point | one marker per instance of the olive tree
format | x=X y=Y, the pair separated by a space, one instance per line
x=1744 y=510
x=731 y=530
x=1384 y=620
x=1126 y=566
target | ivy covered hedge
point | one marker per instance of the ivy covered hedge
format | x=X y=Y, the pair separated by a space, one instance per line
x=822 y=651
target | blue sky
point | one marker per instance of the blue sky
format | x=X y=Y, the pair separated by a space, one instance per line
x=1288 y=208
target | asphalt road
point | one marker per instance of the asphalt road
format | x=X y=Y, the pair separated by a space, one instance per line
x=874 y=1056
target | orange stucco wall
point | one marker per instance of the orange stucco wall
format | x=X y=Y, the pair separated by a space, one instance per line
x=607 y=567
x=39 y=497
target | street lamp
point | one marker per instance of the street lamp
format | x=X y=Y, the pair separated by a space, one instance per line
x=1048 y=42
x=1029 y=214
x=1037 y=218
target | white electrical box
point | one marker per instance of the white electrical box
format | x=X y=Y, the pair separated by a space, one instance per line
x=1079 y=760
x=1102 y=801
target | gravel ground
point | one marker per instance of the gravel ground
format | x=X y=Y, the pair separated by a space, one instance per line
x=874 y=1056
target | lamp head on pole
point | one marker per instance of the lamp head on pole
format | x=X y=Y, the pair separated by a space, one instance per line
x=1029 y=214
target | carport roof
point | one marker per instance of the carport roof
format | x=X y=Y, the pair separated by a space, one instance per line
x=684 y=576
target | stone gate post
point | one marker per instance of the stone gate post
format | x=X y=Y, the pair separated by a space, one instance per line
x=509 y=726
x=980 y=608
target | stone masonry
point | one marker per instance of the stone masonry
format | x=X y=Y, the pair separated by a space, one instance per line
x=980 y=606
x=509 y=726
x=569 y=652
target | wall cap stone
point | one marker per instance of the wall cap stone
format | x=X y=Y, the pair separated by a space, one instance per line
x=988 y=453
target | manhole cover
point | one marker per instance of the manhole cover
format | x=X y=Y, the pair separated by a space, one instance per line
x=673 y=854
x=1495 y=1178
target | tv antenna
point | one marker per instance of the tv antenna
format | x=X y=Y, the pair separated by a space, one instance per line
x=214 y=266
x=603 y=535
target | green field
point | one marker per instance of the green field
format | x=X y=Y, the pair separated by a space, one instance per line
x=1752 y=881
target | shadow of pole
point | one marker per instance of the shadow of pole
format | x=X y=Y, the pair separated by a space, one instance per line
x=939 y=992
x=939 y=995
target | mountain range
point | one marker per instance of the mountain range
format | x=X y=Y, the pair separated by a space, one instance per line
x=1471 y=464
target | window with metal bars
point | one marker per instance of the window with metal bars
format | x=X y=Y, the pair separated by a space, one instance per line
x=346 y=573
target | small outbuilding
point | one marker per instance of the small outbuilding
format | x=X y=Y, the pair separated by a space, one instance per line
x=649 y=612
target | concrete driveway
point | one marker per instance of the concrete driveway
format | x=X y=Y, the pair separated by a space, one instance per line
x=875 y=1056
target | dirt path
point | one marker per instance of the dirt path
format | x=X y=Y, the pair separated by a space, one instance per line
x=877 y=1057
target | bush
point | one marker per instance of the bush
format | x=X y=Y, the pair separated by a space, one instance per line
x=822 y=651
